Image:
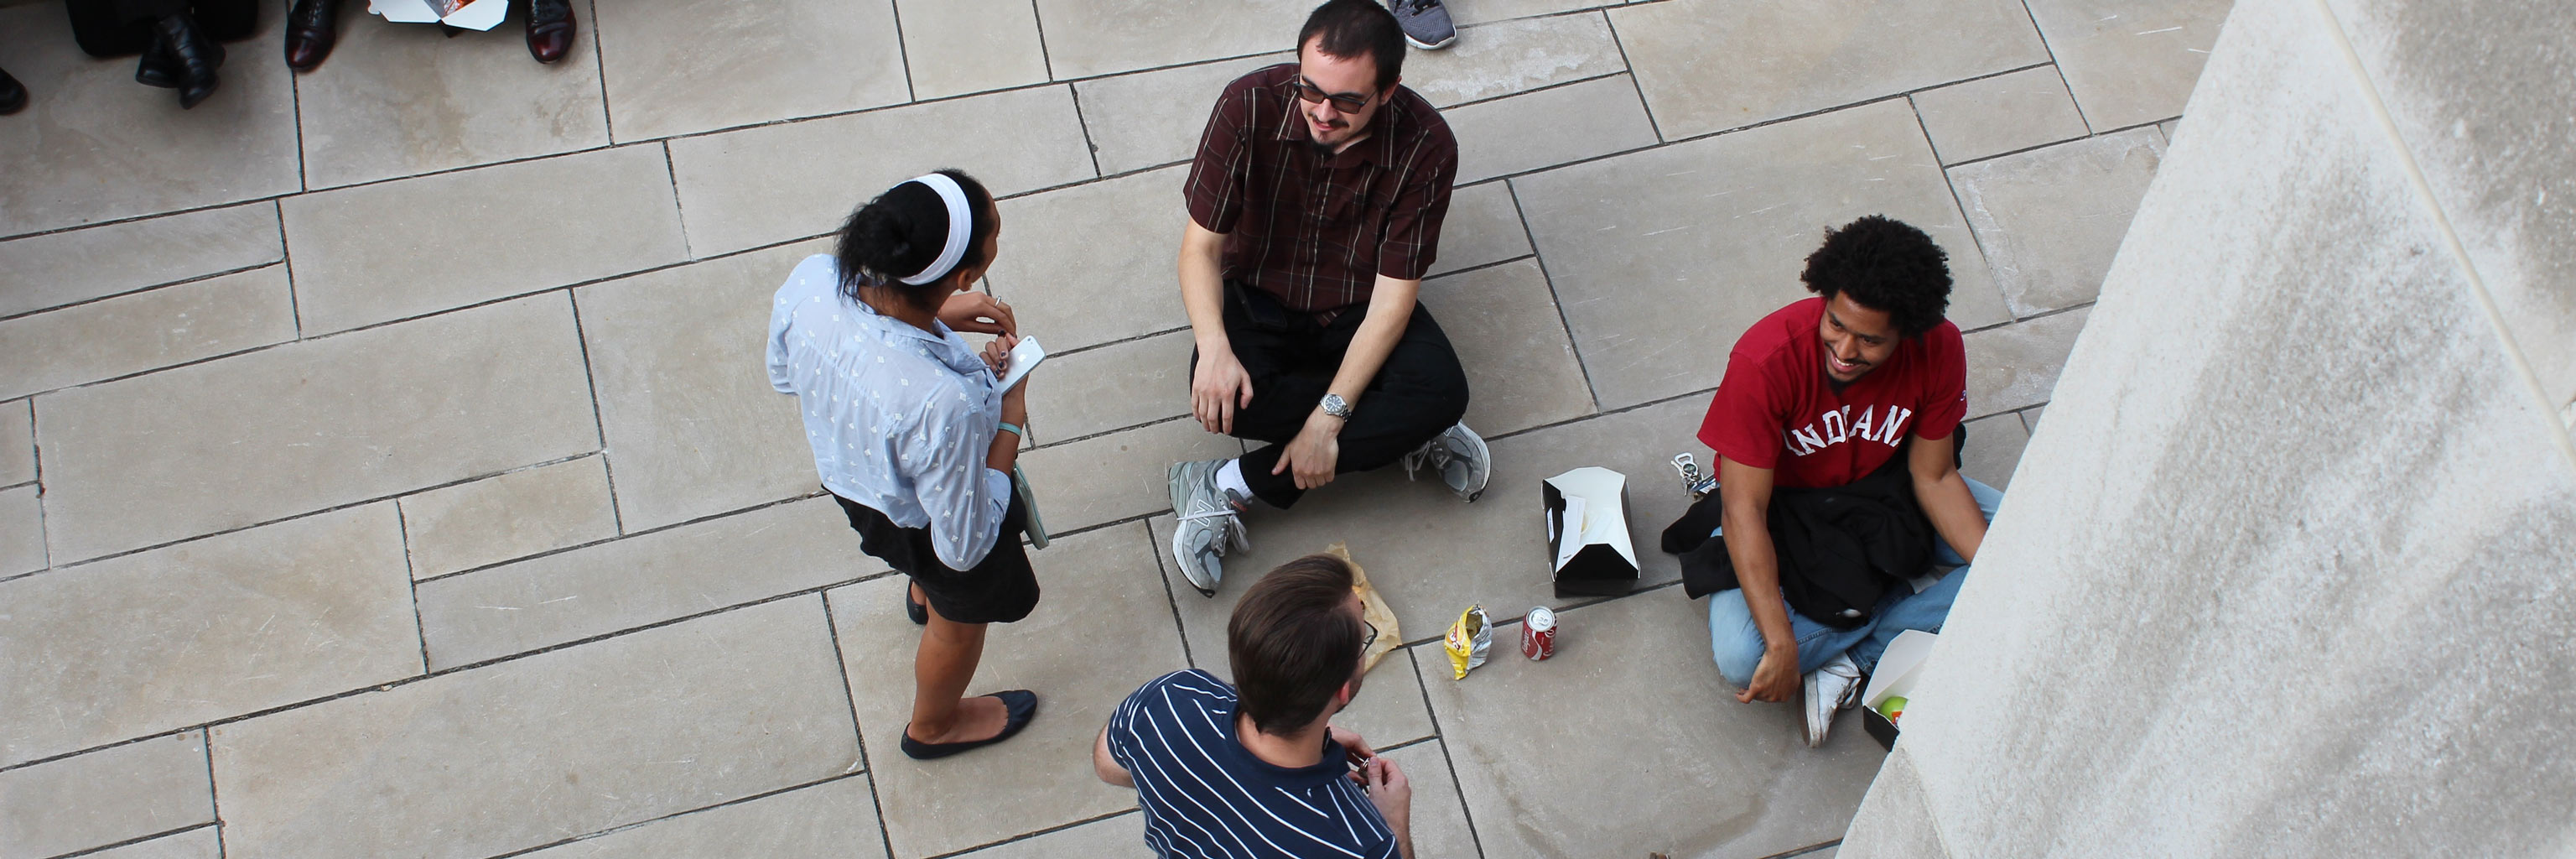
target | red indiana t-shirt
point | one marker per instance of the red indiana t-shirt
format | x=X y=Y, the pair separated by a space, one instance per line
x=1777 y=410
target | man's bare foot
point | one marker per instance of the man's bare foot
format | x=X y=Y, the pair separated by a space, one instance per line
x=978 y=718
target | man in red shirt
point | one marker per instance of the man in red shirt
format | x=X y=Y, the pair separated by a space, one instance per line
x=1823 y=393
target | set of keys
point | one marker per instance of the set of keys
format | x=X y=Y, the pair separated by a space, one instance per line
x=1697 y=484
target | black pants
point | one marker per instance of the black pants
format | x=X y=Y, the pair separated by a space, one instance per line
x=1417 y=393
x=117 y=28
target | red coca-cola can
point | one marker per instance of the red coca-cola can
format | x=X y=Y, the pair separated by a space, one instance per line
x=1538 y=634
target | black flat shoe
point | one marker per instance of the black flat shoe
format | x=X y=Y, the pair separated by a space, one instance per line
x=13 y=95
x=196 y=57
x=912 y=608
x=156 y=68
x=1023 y=705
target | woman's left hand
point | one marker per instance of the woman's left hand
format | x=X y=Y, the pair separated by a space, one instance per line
x=971 y=312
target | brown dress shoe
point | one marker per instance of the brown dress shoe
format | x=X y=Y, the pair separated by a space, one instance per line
x=550 y=29
x=310 y=32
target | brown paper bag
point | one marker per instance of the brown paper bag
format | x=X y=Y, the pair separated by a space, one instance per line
x=1372 y=609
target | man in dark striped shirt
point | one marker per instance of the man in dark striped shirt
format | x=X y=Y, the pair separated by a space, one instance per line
x=1255 y=769
x=1315 y=206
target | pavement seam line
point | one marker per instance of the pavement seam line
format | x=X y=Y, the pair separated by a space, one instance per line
x=1564 y=323
x=858 y=735
x=598 y=423
x=2051 y=50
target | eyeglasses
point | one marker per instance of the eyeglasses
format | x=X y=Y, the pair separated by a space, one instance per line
x=1347 y=102
x=1370 y=638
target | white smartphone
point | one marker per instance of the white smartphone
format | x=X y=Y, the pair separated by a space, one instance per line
x=1024 y=357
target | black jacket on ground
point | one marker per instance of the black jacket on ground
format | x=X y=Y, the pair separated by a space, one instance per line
x=1840 y=547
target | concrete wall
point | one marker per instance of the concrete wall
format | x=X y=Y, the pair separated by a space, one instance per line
x=2290 y=567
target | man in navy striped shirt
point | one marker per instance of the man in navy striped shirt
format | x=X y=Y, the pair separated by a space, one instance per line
x=1254 y=769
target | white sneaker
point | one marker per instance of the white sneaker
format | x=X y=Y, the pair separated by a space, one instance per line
x=1209 y=519
x=1460 y=457
x=1834 y=687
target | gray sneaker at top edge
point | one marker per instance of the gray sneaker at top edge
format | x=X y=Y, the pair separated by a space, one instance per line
x=1425 y=22
x=1459 y=455
x=1206 y=520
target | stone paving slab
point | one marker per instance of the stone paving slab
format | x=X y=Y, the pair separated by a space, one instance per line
x=2016 y=365
x=1548 y=127
x=649 y=578
x=1153 y=118
x=312 y=425
x=142 y=331
x=1469 y=14
x=1439 y=811
x=679 y=364
x=747 y=188
x=22 y=531
x=1548 y=753
x=1521 y=369
x=1094 y=263
x=2129 y=63
x=833 y=820
x=402 y=100
x=1100 y=630
x=2050 y=219
x=204 y=630
x=89 y=133
x=55 y=269
x=1118 y=835
x=1119 y=385
x=378 y=253
x=1662 y=258
x=953 y=47
x=1994 y=447
x=1986 y=117
x=508 y=516
x=1483 y=227
x=1102 y=37
x=17 y=443
x=1432 y=555
x=105 y=797
x=202 y=843
x=1711 y=65
x=624 y=731
x=686 y=66
x=1514 y=56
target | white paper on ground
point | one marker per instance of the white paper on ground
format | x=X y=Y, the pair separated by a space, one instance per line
x=1595 y=482
x=1024 y=357
x=1897 y=666
x=466 y=14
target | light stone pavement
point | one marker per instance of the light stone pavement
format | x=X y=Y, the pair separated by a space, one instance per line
x=386 y=466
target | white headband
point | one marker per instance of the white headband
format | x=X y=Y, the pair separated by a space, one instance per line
x=961 y=223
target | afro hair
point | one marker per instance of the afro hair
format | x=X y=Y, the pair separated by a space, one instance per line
x=1886 y=265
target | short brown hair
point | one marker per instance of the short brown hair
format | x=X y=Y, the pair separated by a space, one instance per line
x=1293 y=642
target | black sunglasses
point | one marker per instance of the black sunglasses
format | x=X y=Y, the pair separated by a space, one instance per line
x=1348 y=102
x=1370 y=638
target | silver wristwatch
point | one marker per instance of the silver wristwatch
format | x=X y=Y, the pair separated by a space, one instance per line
x=1336 y=406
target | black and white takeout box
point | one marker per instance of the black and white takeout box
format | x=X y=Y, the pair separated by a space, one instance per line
x=1898 y=667
x=1587 y=533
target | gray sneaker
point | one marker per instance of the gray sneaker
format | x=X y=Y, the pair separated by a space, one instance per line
x=1458 y=454
x=1833 y=687
x=1425 y=22
x=1209 y=519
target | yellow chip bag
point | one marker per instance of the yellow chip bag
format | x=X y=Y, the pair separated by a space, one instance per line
x=1468 y=641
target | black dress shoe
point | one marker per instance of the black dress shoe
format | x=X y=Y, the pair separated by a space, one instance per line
x=550 y=29
x=914 y=609
x=1023 y=706
x=157 y=68
x=13 y=95
x=310 y=29
x=195 y=55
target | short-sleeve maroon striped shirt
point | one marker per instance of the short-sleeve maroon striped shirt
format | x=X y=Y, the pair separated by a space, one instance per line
x=1314 y=229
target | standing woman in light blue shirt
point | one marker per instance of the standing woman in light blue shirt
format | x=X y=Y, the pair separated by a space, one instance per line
x=913 y=433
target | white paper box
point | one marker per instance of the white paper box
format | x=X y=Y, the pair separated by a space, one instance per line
x=1588 y=546
x=466 y=14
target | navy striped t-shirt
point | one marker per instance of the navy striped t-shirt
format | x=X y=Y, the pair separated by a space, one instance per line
x=1205 y=795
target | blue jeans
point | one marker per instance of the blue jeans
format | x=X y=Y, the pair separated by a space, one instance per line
x=1737 y=642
